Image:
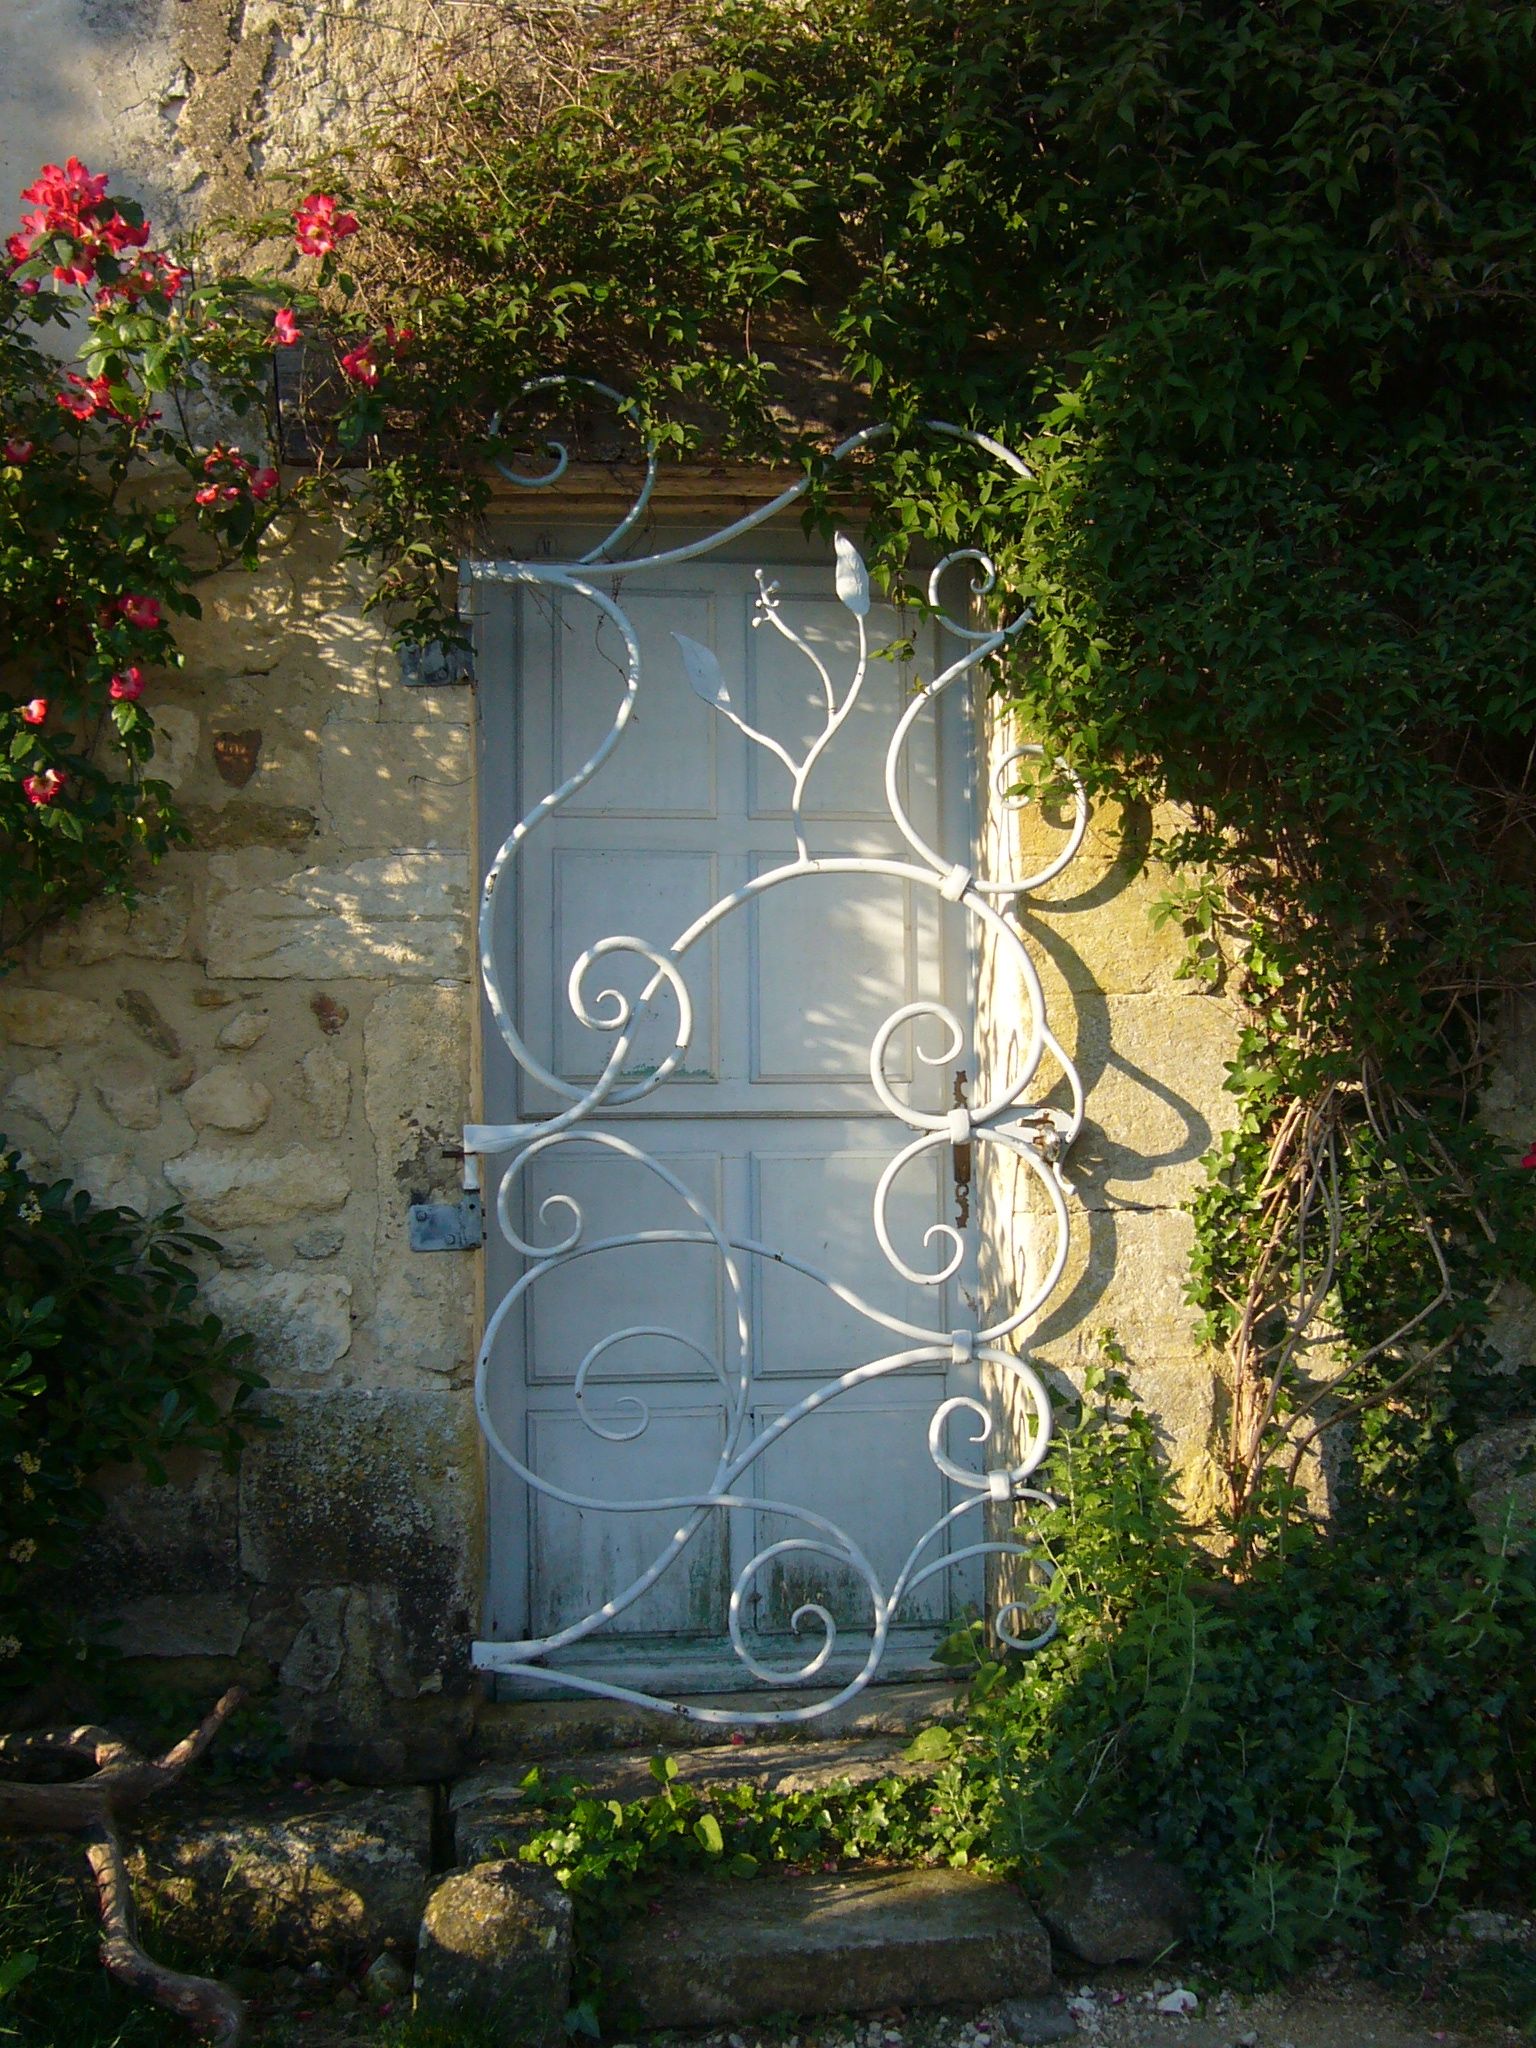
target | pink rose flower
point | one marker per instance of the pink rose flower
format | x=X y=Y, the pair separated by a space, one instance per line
x=143 y=612
x=318 y=227
x=43 y=788
x=35 y=712
x=359 y=364
x=88 y=397
x=285 y=329
x=18 y=451
x=127 y=684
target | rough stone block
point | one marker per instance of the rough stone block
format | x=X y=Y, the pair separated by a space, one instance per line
x=1032 y=2022
x=315 y=1656
x=416 y=1056
x=148 y=1020
x=1090 y=932
x=390 y=917
x=370 y=1489
x=178 y=1538
x=46 y=1094
x=232 y=1190
x=1498 y=1476
x=227 y=1100
x=246 y=1028
x=395 y=784
x=721 y=1952
x=49 y=1019
x=325 y=1082
x=220 y=828
x=274 y=1880
x=176 y=738
x=155 y=929
x=495 y=1945
x=1155 y=1071
x=1511 y=1327
x=1122 y=1906
x=1125 y=1268
x=243 y=628
x=176 y=1625
x=302 y=1322
x=490 y=1809
x=132 y=1100
x=115 y=1179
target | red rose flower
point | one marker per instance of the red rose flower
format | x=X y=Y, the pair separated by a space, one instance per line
x=80 y=269
x=1530 y=1157
x=118 y=235
x=43 y=788
x=359 y=364
x=263 y=483
x=141 y=611
x=18 y=451
x=318 y=227
x=285 y=329
x=127 y=684
x=208 y=495
x=35 y=712
x=70 y=190
x=88 y=398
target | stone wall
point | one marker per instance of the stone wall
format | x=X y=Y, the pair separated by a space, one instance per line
x=1150 y=1043
x=190 y=103
x=279 y=1038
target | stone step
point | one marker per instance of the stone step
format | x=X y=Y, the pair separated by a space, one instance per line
x=529 y=1731
x=716 y=1952
x=490 y=1808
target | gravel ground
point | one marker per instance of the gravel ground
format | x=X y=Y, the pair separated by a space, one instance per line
x=1333 y=2006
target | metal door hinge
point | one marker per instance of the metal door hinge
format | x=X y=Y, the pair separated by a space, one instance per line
x=432 y=666
x=446 y=1226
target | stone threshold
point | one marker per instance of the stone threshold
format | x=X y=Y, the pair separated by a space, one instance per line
x=796 y=1946
x=536 y=1731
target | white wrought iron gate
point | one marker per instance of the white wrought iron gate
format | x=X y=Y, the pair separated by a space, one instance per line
x=742 y=1420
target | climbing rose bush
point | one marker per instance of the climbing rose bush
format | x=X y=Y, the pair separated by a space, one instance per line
x=116 y=496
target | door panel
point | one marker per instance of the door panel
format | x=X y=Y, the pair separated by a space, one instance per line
x=772 y=1124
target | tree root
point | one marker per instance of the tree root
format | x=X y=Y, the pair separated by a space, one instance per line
x=90 y=1806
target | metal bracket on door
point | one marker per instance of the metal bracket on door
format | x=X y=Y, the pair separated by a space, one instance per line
x=446 y=1226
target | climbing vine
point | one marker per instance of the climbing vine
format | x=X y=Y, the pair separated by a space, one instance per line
x=1252 y=289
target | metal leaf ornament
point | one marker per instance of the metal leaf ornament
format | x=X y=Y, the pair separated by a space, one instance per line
x=852 y=576
x=703 y=672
